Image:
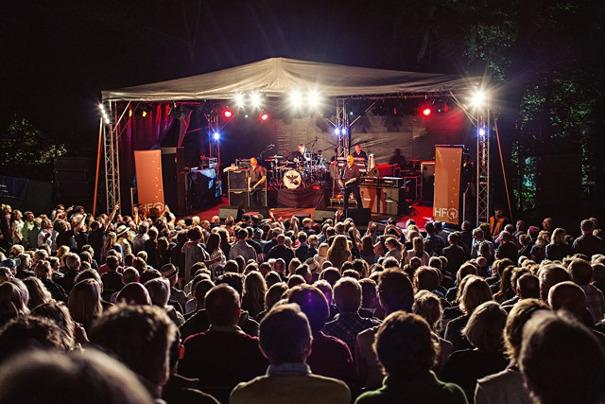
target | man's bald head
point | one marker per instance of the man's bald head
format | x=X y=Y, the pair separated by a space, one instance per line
x=568 y=296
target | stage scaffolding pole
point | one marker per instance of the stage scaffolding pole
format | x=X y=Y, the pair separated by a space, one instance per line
x=112 y=164
x=97 y=168
x=342 y=124
x=483 y=170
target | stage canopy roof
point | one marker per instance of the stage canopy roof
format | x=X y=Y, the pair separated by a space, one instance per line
x=276 y=77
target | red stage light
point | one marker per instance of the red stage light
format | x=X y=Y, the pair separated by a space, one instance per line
x=227 y=113
x=264 y=116
x=426 y=111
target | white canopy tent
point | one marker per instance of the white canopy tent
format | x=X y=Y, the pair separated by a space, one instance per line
x=278 y=76
x=274 y=77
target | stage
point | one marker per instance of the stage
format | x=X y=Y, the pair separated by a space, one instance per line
x=424 y=213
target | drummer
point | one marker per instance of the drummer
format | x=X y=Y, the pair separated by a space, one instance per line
x=298 y=155
x=359 y=153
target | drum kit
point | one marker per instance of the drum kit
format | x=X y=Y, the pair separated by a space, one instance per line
x=296 y=174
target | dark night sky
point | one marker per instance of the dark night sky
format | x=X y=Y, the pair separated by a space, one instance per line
x=57 y=56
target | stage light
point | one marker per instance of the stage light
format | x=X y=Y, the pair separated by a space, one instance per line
x=296 y=99
x=426 y=111
x=227 y=113
x=239 y=100
x=313 y=99
x=256 y=100
x=130 y=113
x=337 y=131
x=482 y=131
x=104 y=114
x=343 y=131
x=478 y=99
x=264 y=117
x=216 y=136
x=144 y=114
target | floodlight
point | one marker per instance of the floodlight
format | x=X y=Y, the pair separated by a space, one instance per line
x=336 y=131
x=343 y=131
x=256 y=100
x=239 y=100
x=264 y=117
x=296 y=99
x=313 y=99
x=216 y=136
x=482 y=131
x=426 y=111
x=478 y=99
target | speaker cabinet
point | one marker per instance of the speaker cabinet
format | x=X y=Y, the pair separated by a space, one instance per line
x=361 y=216
x=241 y=199
x=391 y=200
x=237 y=180
x=427 y=169
x=322 y=214
x=370 y=197
x=232 y=211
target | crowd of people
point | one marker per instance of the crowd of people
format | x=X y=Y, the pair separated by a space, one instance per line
x=151 y=308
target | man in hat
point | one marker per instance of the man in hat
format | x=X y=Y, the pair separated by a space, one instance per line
x=170 y=272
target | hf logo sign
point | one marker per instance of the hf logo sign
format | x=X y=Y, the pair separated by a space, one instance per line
x=450 y=213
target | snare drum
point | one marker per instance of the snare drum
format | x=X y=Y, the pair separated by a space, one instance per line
x=292 y=179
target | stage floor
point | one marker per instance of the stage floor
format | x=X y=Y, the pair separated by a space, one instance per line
x=423 y=213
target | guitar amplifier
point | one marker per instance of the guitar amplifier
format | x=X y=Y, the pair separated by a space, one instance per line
x=370 y=197
x=237 y=180
x=239 y=199
x=391 y=201
x=391 y=182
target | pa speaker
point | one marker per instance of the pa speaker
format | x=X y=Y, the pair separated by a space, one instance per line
x=232 y=211
x=321 y=214
x=361 y=216
x=237 y=180
x=240 y=199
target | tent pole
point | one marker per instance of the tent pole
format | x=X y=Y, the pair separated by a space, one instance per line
x=98 y=168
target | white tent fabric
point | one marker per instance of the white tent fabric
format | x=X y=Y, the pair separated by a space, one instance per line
x=275 y=77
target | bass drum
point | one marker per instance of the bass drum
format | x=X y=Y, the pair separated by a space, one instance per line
x=292 y=179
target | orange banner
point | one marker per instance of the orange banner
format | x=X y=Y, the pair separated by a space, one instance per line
x=150 y=186
x=448 y=165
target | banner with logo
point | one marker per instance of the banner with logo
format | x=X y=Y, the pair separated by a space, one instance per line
x=448 y=166
x=150 y=186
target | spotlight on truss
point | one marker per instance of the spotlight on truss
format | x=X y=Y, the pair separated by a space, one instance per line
x=478 y=99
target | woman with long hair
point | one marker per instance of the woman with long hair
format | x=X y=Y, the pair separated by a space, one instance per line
x=340 y=252
x=417 y=251
x=505 y=290
x=366 y=252
x=38 y=294
x=12 y=302
x=217 y=256
x=253 y=299
x=558 y=248
x=538 y=251
x=85 y=302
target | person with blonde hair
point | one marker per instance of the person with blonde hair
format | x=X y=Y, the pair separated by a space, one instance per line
x=475 y=292
x=506 y=387
x=557 y=249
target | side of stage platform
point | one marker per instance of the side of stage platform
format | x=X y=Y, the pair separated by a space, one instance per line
x=421 y=214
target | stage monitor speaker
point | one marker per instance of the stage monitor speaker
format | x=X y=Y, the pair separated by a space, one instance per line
x=322 y=214
x=232 y=211
x=237 y=180
x=391 y=200
x=174 y=179
x=427 y=169
x=370 y=196
x=361 y=217
x=240 y=199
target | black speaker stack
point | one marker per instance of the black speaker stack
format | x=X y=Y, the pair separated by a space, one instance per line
x=384 y=196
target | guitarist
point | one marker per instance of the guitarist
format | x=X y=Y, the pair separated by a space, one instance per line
x=257 y=177
x=350 y=177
